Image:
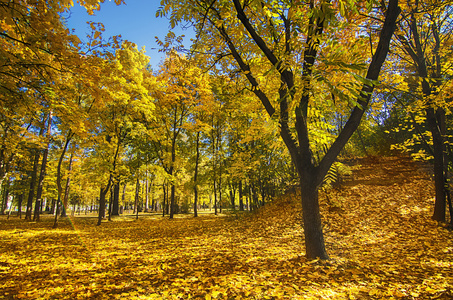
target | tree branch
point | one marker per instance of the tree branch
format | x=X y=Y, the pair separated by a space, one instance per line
x=373 y=73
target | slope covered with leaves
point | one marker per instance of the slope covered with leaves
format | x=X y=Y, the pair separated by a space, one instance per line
x=379 y=234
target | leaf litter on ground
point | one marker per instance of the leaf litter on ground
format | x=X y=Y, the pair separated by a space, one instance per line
x=378 y=232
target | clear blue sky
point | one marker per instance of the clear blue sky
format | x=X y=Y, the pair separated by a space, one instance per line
x=135 y=21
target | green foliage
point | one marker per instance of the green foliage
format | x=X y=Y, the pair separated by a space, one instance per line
x=336 y=175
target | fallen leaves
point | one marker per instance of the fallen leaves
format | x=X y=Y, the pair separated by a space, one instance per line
x=382 y=244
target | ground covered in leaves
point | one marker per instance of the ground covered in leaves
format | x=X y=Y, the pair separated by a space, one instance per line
x=378 y=232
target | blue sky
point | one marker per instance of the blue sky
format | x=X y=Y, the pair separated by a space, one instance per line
x=136 y=21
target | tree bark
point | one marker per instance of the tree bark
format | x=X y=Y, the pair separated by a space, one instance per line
x=21 y=198
x=102 y=193
x=42 y=173
x=241 y=201
x=195 y=177
x=5 y=197
x=137 y=195
x=314 y=237
x=116 y=199
x=172 y=200
x=31 y=190
x=59 y=187
x=66 y=188
x=146 y=190
x=163 y=202
x=123 y=196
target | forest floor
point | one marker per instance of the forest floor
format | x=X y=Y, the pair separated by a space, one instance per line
x=378 y=231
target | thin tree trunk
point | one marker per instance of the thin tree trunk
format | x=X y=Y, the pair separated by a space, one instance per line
x=21 y=198
x=137 y=195
x=220 y=186
x=165 y=196
x=31 y=190
x=215 y=197
x=123 y=197
x=42 y=173
x=172 y=201
x=195 y=177
x=241 y=201
x=110 y=203
x=151 y=191
x=66 y=188
x=59 y=187
x=146 y=190
x=103 y=192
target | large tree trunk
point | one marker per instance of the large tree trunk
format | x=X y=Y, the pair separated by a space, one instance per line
x=314 y=238
x=102 y=193
x=116 y=199
x=5 y=198
x=439 y=176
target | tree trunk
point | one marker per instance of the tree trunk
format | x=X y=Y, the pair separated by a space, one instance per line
x=110 y=203
x=241 y=201
x=59 y=187
x=151 y=191
x=314 y=238
x=57 y=212
x=137 y=195
x=31 y=190
x=195 y=177
x=42 y=173
x=215 y=197
x=163 y=203
x=116 y=199
x=52 y=207
x=232 y=196
x=172 y=201
x=123 y=196
x=220 y=186
x=21 y=198
x=439 y=175
x=5 y=197
x=66 y=188
x=102 y=193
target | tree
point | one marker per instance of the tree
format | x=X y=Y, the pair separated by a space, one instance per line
x=182 y=88
x=281 y=41
x=424 y=39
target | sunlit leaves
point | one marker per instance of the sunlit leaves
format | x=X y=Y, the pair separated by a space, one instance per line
x=381 y=239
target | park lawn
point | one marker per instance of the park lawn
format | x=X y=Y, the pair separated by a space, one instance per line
x=378 y=231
